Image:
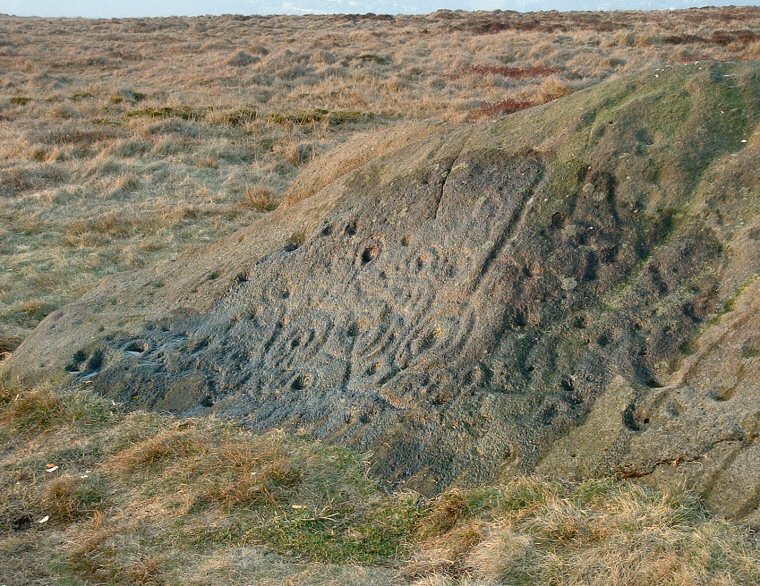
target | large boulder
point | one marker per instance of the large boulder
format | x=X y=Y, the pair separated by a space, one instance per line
x=571 y=288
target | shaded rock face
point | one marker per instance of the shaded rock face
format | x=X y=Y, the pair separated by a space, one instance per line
x=458 y=306
x=699 y=430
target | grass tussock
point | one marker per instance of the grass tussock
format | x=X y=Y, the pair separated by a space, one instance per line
x=93 y=495
x=261 y=198
x=43 y=408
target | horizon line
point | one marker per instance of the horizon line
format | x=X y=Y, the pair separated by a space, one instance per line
x=299 y=12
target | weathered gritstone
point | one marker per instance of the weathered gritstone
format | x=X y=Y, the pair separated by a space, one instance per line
x=458 y=305
x=700 y=430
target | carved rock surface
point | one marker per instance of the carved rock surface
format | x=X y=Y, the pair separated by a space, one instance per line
x=465 y=303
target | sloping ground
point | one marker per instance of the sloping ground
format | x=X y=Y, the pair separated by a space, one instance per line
x=459 y=306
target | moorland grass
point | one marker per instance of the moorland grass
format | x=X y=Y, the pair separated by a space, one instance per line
x=145 y=498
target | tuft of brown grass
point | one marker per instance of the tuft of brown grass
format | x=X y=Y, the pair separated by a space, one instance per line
x=125 y=183
x=43 y=408
x=261 y=198
x=34 y=411
x=444 y=513
x=552 y=89
x=299 y=153
x=153 y=452
x=250 y=475
x=68 y=498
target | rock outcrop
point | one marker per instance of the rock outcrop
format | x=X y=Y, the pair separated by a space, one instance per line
x=572 y=289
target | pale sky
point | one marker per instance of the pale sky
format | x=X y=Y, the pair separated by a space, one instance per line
x=108 y=9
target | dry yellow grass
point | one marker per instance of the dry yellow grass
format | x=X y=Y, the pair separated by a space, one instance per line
x=135 y=139
x=91 y=495
x=597 y=533
x=261 y=198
